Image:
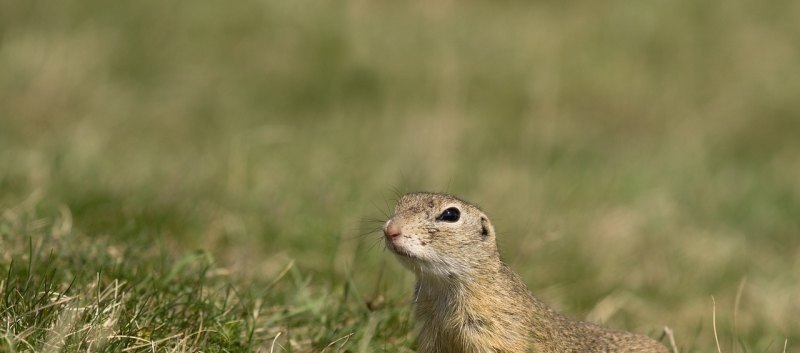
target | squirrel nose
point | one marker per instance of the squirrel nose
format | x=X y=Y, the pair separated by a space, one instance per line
x=391 y=230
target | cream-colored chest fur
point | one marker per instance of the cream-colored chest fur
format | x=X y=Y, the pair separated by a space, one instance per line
x=463 y=319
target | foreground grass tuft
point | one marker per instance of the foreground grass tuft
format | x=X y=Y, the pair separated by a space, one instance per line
x=64 y=291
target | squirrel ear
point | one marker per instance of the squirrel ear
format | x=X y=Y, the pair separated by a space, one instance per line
x=486 y=227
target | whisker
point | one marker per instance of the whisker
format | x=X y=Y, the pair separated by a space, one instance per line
x=383 y=211
x=375 y=243
x=397 y=193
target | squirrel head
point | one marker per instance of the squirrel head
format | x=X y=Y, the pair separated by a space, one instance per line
x=440 y=236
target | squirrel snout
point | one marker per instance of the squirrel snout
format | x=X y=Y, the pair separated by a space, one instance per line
x=391 y=230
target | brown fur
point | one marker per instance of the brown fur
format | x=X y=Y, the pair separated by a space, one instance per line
x=468 y=300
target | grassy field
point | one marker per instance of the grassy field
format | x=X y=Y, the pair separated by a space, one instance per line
x=185 y=176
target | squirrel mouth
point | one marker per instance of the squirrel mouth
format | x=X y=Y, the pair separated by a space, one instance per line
x=400 y=251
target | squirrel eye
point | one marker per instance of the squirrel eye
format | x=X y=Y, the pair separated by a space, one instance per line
x=451 y=214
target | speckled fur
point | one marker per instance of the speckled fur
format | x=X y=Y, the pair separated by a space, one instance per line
x=468 y=300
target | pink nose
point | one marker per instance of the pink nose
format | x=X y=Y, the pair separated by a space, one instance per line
x=391 y=230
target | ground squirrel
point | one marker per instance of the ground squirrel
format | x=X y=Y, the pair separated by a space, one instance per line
x=468 y=300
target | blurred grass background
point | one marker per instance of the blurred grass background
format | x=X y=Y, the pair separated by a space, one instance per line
x=637 y=157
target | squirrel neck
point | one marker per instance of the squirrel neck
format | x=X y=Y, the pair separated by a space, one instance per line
x=483 y=271
x=488 y=296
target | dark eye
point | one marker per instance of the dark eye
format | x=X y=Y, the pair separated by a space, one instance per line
x=449 y=215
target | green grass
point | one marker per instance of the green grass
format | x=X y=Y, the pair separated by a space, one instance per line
x=187 y=176
x=64 y=291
